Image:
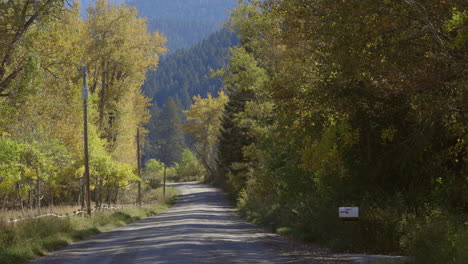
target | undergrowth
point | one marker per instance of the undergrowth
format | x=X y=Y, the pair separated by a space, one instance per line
x=432 y=236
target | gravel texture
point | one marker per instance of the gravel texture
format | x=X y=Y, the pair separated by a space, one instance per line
x=201 y=228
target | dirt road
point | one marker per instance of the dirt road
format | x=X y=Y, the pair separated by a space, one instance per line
x=200 y=228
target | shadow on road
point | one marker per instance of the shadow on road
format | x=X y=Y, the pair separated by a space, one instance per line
x=200 y=228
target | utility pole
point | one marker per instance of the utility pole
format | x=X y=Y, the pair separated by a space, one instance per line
x=86 y=151
x=139 y=166
x=164 y=185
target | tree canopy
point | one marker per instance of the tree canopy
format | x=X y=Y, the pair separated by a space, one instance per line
x=204 y=123
x=43 y=45
x=356 y=103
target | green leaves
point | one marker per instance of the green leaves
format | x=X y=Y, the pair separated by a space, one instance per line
x=42 y=46
x=204 y=118
x=457 y=26
x=356 y=102
x=10 y=157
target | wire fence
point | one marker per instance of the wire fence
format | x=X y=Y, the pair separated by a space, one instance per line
x=75 y=213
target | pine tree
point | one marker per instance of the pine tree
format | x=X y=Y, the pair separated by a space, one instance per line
x=233 y=137
x=166 y=141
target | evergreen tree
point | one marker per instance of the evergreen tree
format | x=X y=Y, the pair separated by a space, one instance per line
x=150 y=149
x=166 y=141
x=233 y=137
x=242 y=79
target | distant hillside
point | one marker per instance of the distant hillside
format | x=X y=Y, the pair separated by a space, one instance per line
x=183 y=34
x=183 y=22
x=212 y=10
x=186 y=72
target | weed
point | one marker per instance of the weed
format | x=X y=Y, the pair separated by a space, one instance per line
x=25 y=240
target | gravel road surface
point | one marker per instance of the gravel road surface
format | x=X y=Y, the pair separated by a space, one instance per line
x=200 y=228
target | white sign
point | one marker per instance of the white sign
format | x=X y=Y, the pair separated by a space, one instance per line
x=348 y=212
x=84 y=93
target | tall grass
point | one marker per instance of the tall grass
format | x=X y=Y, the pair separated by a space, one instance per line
x=26 y=240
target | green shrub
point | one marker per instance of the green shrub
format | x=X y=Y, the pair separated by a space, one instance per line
x=461 y=245
x=7 y=236
x=285 y=230
x=436 y=238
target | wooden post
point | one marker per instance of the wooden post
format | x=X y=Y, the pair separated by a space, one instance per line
x=38 y=189
x=139 y=166
x=164 y=185
x=86 y=151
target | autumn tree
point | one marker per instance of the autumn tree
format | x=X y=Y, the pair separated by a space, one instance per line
x=120 y=52
x=44 y=92
x=189 y=167
x=366 y=108
x=153 y=173
x=18 y=20
x=43 y=45
x=204 y=118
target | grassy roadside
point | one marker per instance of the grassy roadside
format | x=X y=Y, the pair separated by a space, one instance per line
x=27 y=240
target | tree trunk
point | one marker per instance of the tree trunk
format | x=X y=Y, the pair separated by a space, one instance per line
x=116 y=195
x=82 y=195
x=5 y=197
x=102 y=99
x=97 y=192
x=204 y=160
x=38 y=189
x=30 y=200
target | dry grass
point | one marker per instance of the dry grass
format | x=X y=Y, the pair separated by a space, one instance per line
x=65 y=210
x=6 y=215
x=149 y=197
x=25 y=240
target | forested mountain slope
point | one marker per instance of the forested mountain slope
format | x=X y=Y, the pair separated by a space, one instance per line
x=180 y=76
x=214 y=10
x=183 y=22
x=186 y=73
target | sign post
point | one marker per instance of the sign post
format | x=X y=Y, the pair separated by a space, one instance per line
x=139 y=166
x=348 y=213
x=85 y=96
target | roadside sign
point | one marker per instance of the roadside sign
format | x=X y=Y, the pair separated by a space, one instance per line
x=348 y=212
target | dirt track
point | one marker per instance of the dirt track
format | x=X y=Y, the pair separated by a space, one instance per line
x=200 y=228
